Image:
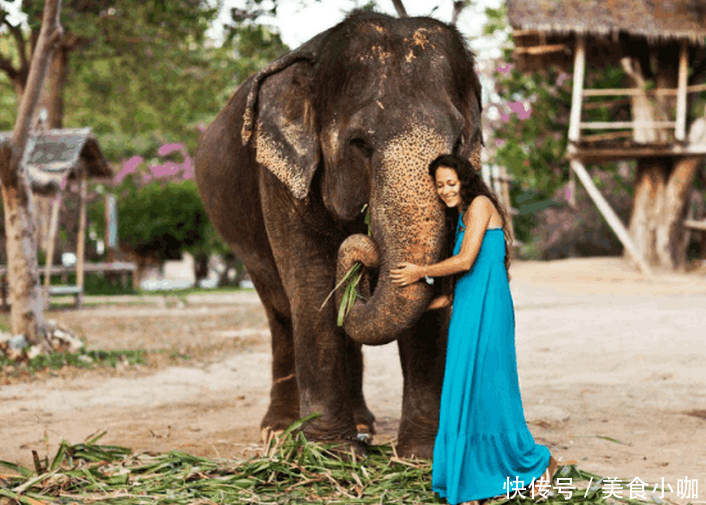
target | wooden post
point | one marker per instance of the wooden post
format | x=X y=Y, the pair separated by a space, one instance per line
x=485 y=173
x=111 y=227
x=51 y=241
x=610 y=216
x=495 y=177
x=680 y=130
x=81 y=245
x=577 y=92
x=505 y=186
x=5 y=305
x=572 y=189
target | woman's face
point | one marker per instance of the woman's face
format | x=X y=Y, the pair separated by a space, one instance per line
x=448 y=187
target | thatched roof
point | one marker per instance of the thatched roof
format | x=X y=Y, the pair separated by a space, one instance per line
x=656 y=20
x=55 y=155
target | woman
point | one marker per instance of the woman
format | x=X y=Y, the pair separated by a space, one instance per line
x=483 y=443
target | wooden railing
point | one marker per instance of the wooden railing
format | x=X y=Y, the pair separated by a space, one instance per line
x=124 y=269
x=499 y=181
x=578 y=93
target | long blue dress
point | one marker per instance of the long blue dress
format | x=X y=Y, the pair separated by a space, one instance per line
x=483 y=440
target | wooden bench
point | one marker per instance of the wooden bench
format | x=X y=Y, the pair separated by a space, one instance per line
x=77 y=291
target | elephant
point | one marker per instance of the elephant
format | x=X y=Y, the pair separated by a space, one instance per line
x=348 y=121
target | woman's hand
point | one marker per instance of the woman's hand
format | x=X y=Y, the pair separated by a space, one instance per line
x=406 y=273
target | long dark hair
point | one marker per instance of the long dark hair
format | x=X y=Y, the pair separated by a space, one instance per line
x=472 y=185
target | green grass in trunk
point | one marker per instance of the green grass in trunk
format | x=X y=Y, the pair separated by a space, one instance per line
x=351 y=280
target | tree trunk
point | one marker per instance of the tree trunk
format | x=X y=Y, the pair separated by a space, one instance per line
x=52 y=98
x=659 y=209
x=399 y=7
x=43 y=210
x=661 y=184
x=671 y=238
x=27 y=314
x=649 y=187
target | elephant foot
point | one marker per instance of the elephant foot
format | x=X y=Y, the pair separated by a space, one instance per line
x=344 y=448
x=275 y=422
x=415 y=449
x=416 y=435
x=267 y=434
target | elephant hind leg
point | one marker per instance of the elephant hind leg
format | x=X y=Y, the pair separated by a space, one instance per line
x=284 y=393
x=364 y=419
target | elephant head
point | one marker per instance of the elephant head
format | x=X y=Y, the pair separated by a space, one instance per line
x=370 y=103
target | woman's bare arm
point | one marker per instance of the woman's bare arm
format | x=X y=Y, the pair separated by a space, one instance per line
x=440 y=302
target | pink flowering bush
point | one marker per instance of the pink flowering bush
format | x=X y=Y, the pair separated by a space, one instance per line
x=161 y=214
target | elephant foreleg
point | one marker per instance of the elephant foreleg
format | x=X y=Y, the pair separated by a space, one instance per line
x=323 y=374
x=306 y=265
x=422 y=355
x=284 y=393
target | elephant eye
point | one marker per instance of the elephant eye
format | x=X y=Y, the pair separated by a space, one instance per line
x=362 y=146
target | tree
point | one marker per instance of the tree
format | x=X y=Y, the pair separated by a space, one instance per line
x=27 y=313
x=662 y=185
x=161 y=215
x=533 y=111
x=136 y=37
x=148 y=48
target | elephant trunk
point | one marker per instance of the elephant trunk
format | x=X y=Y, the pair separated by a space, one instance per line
x=408 y=225
x=357 y=249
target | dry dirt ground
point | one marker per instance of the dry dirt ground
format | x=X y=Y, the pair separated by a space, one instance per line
x=611 y=366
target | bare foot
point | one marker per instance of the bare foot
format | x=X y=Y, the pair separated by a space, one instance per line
x=544 y=481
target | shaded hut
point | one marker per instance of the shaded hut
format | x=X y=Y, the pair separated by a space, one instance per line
x=53 y=158
x=660 y=46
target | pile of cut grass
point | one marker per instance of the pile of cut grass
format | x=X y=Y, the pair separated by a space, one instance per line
x=291 y=470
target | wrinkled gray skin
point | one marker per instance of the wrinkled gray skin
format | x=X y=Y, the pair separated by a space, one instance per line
x=353 y=117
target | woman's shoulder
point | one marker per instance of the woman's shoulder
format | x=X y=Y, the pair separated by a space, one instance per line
x=481 y=202
x=481 y=207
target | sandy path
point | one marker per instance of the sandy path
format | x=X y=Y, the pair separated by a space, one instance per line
x=610 y=366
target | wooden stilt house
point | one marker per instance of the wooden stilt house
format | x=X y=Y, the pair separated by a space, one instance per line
x=659 y=44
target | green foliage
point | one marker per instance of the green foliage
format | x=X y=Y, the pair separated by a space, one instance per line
x=531 y=144
x=529 y=136
x=496 y=20
x=161 y=219
x=183 y=294
x=8 y=97
x=81 y=359
x=95 y=283
x=142 y=75
x=144 y=69
x=119 y=145
x=160 y=212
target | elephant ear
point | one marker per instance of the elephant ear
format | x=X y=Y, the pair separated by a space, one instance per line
x=476 y=138
x=471 y=107
x=284 y=137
